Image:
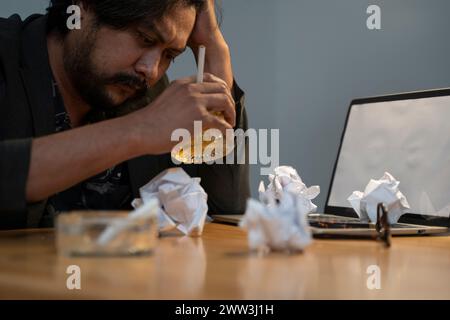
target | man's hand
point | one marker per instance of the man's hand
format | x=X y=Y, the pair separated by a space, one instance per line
x=206 y=29
x=182 y=103
x=207 y=32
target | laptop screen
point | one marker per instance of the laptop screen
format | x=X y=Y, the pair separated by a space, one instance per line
x=409 y=137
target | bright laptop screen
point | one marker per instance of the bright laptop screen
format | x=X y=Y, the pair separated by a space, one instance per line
x=408 y=138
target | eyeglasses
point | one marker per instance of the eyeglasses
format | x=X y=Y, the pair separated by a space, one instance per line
x=382 y=226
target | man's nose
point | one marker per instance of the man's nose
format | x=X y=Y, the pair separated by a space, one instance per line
x=148 y=66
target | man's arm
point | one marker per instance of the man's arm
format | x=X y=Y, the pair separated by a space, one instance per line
x=61 y=160
x=207 y=33
x=14 y=163
x=227 y=185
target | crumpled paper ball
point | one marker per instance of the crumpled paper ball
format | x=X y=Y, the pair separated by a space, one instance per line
x=286 y=179
x=386 y=191
x=279 y=221
x=282 y=226
x=183 y=202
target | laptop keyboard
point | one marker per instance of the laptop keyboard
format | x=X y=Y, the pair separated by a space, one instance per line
x=328 y=222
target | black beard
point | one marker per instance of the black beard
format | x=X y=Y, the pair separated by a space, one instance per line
x=91 y=85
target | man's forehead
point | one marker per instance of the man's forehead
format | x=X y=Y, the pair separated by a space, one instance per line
x=177 y=24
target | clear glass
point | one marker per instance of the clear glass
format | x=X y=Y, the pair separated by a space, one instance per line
x=79 y=234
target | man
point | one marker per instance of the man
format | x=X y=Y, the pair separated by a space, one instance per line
x=87 y=114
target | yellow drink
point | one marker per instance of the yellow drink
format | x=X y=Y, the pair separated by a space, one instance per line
x=187 y=154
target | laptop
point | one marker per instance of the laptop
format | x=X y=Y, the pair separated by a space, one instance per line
x=407 y=135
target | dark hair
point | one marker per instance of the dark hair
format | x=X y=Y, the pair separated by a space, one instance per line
x=118 y=14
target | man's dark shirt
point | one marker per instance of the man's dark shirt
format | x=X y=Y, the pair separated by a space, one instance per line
x=109 y=190
x=29 y=108
x=2 y=85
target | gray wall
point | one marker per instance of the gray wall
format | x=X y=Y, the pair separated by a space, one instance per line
x=302 y=62
x=22 y=7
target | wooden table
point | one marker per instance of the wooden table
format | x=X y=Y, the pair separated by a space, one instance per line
x=219 y=266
